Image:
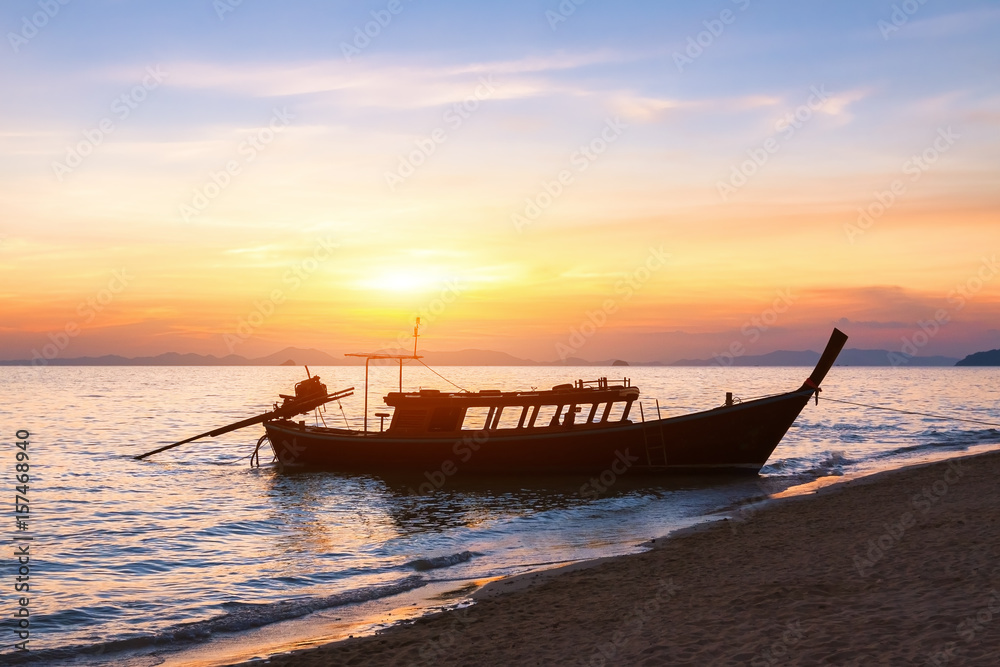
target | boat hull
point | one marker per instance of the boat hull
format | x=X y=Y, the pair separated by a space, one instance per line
x=730 y=439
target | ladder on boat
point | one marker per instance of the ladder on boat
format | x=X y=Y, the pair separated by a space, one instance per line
x=656 y=454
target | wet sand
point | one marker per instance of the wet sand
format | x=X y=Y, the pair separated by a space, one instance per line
x=899 y=568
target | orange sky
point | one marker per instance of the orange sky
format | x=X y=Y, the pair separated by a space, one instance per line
x=312 y=234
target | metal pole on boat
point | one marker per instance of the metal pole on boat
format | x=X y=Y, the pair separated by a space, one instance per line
x=367 y=360
x=415 y=336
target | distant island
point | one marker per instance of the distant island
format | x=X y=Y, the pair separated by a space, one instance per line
x=987 y=358
x=312 y=357
x=849 y=357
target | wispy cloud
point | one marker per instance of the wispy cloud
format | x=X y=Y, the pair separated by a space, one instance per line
x=837 y=105
x=375 y=82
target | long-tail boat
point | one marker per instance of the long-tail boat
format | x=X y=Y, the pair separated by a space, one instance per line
x=586 y=426
x=579 y=427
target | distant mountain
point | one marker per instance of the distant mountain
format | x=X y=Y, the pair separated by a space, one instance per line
x=987 y=358
x=302 y=356
x=309 y=357
x=313 y=357
x=777 y=358
x=473 y=358
x=855 y=357
x=849 y=357
x=167 y=359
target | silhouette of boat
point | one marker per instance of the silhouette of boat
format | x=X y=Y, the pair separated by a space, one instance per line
x=587 y=426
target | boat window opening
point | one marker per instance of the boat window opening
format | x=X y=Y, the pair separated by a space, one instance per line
x=476 y=418
x=445 y=419
x=594 y=415
x=548 y=415
x=510 y=417
x=570 y=417
x=617 y=411
x=607 y=411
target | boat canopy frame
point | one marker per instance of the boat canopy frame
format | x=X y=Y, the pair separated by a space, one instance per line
x=368 y=356
x=429 y=410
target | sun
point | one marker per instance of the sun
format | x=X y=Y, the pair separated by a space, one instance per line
x=400 y=280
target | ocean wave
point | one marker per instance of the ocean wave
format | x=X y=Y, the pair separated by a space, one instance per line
x=832 y=463
x=956 y=440
x=239 y=616
x=864 y=426
x=424 y=564
x=961 y=437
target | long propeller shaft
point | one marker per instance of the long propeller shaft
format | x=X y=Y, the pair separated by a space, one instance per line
x=288 y=409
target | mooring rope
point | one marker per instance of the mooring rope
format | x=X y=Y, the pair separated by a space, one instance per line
x=911 y=412
x=233 y=461
x=442 y=377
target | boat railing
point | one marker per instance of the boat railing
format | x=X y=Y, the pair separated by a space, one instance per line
x=600 y=383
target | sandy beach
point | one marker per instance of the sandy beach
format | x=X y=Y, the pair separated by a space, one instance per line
x=898 y=568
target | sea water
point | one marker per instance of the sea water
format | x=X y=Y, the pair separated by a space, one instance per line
x=194 y=547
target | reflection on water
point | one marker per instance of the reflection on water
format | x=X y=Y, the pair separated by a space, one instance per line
x=157 y=549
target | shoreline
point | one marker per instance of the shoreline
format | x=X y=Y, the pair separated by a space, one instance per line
x=884 y=542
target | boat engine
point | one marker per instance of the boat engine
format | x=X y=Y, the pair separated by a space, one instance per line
x=309 y=388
